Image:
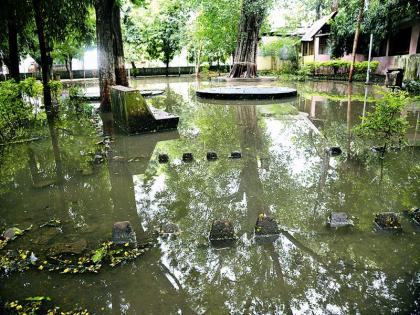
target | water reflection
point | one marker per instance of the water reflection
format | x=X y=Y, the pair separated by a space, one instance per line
x=284 y=171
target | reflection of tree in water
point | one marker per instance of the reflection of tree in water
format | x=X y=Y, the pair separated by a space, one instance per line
x=250 y=183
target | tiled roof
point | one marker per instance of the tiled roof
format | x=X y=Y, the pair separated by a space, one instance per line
x=309 y=35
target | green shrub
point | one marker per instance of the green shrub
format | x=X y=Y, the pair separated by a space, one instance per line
x=412 y=86
x=14 y=111
x=204 y=70
x=31 y=87
x=337 y=67
x=56 y=88
x=385 y=127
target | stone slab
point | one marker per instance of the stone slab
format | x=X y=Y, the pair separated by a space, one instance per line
x=133 y=115
x=123 y=232
x=246 y=92
x=339 y=219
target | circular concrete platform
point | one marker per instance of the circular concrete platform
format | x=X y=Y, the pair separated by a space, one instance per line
x=246 y=92
x=244 y=80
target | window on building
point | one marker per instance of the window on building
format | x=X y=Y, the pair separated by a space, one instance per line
x=399 y=44
x=308 y=48
x=323 y=45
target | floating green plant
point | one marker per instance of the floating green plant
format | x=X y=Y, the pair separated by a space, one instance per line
x=38 y=305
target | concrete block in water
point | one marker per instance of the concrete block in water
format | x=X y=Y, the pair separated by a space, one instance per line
x=339 y=219
x=211 y=156
x=266 y=225
x=235 y=155
x=387 y=221
x=133 y=115
x=222 y=231
x=123 y=232
x=334 y=151
x=163 y=158
x=187 y=157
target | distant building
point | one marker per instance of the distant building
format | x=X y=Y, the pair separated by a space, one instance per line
x=402 y=50
x=314 y=46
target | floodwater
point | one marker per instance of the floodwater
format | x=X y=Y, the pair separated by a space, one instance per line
x=283 y=172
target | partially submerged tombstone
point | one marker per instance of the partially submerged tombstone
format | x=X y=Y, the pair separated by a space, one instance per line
x=266 y=225
x=339 y=219
x=168 y=229
x=266 y=228
x=10 y=234
x=333 y=151
x=187 y=157
x=235 y=155
x=414 y=215
x=387 y=221
x=163 y=158
x=133 y=115
x=123 y=232
x=69 y=248
x=212 y=156
x=222 y=233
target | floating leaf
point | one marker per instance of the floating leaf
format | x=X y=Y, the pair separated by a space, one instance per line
x=38 y=298
x=99 y=254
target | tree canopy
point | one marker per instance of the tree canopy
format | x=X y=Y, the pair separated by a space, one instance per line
x=381 y=19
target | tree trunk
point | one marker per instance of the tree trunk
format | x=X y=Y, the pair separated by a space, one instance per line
x=356 y=39
x=46 y=59
x=13 y=45
x=318 y=5
x=167 y=67
x=244 y=62
x=197 y=62
x=334 y=5
x=133 y=65
x=105 y=48
x=71 y=67
x=120 y=73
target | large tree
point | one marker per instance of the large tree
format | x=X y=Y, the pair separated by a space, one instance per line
x=252 y=16
x=55 y=20
x=14 y=18
x=74 y=45
x=110 y=49
x=212 y=36
x=164 y=36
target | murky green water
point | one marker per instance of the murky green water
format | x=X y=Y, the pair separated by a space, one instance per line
x=284 y=172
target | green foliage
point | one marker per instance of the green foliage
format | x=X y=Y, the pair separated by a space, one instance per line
x=31 y=87
x=385 y=126
x=213 y=34
x=76 y=102
x=164 y=36
x=381 y=19
x=337 y=67
x=15 y=113
x=56 y=87
x=38 y=305
x=412 y=86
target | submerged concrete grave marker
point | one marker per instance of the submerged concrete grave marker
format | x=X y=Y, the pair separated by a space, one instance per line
x=163 y=158
x=266 y=226
x=339 y=219
x=222 y=233
x=387 y=221
x=187 y=157
x=133 y=115
x=123 y=232
x=211 y=156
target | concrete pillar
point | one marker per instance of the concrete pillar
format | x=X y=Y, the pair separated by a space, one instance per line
x=316 y=48
x=415 y=30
